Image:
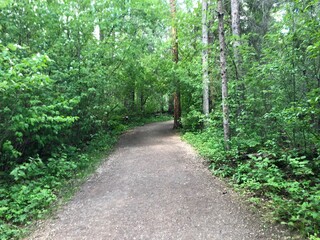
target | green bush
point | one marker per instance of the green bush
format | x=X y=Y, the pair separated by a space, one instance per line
x=193 y=121
x=288 y=181
x=31 y=188
x=32 y=111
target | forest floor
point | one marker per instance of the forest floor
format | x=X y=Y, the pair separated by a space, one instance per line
x=154 y=186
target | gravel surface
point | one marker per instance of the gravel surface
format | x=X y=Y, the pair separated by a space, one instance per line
x=154 y=186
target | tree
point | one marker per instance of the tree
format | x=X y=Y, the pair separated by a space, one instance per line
x=236 y=32
x=205 y=60
x=175 y=57
x=258 y=20
x=224 y=78
x=235 y=17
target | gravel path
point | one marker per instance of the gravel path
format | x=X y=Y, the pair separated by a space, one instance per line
x=154 y=186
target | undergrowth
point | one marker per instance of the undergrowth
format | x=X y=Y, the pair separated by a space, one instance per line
x=32 y=190
x=285 y=181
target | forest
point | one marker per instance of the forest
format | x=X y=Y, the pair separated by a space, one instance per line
x=241 y=79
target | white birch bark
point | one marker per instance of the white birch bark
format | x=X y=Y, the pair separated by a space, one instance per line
x=235 y=24
x=205 y=64
x=224 y=78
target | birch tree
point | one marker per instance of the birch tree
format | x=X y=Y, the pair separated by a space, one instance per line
x=235 y=23
x=236 y=32
x=205 y=64
x=224 y=78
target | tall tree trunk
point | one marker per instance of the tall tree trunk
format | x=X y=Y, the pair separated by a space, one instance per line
x=235 y=22
x=205 y=64
x=211 y=20
x=236 y=32
x=175 y=57
x=224 y=78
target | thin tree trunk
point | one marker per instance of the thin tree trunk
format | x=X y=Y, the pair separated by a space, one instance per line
x=235 y=22
x=236 y=32
x=205 y=64
x=224 y=79
x=175 y=57
x=210 y=16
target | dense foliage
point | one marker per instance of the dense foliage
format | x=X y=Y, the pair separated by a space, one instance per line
x=73 y=73
x=274 y=109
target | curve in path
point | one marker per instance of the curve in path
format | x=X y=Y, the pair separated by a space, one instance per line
x=154 y=186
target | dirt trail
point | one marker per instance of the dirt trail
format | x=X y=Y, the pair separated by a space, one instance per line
x=154 y=187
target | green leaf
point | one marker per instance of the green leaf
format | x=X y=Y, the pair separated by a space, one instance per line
x=12 y=47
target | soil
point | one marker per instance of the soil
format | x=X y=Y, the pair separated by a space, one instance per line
x=154 y=186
